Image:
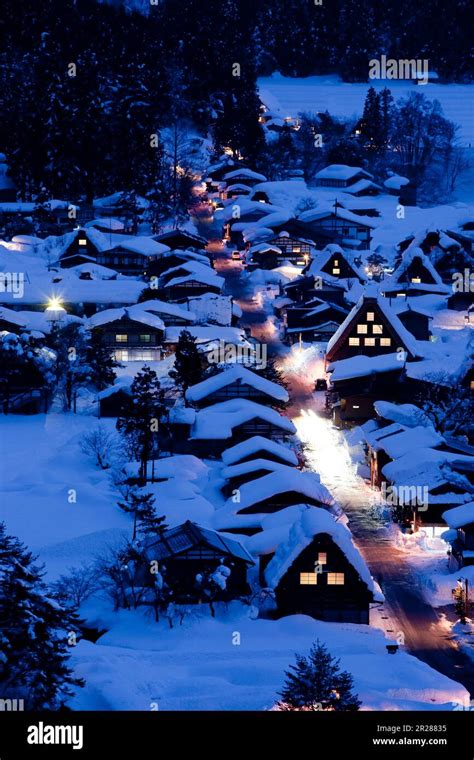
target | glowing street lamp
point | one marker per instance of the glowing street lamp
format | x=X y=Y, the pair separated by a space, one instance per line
x=55 y=309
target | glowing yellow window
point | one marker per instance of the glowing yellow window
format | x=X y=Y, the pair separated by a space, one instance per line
x=336 y=262
x=385 y=341
x=121 y=338
x=322 y=558
x=377 y=329
x=370 y=316
x=308 y=579
x=82 y=241
x=336 y=271
x=354 y=341
x=416 y=279
x=362 y=329
x=369 y=342
x=335 y=579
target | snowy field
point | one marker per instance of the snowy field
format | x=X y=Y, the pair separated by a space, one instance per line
x=139 y=663
x=321 y=93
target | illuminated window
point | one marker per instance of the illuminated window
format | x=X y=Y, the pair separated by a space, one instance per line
x=121 y=356
x=336 y=271
x=377 y=329
x=416 y=279
x=322 y=558
x=472 y=385
x=121 y=338
x=336 y=262
x=296 y=250
x=308 y=579
x=362 y=329
x=354 y=341
x=369 y=342
x=401 y=295
x=385 y=341
x=335 y=579
x=145 y=338
x=82 y=241
x=370 y=316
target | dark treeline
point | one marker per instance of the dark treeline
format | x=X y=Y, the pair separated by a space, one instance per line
x=89 y=133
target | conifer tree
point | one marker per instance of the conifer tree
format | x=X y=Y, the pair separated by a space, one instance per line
x=316 y=682
x=141 y=416
x=188 y=366
x=34 y=633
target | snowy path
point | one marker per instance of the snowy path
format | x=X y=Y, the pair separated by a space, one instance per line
x=405 y=613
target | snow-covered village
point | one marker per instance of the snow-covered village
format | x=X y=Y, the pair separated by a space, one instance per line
x=236 y=358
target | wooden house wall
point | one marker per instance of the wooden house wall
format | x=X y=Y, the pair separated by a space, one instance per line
x=342 y=603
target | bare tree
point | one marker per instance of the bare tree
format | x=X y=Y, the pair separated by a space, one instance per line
x=101 y=446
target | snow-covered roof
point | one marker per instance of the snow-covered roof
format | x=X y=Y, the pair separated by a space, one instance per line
x=321 y=258
x=396 y=182
x=183 y=537
x=35 y=321
x=403 y=334
x=253 y=465
x=314 y=215
x=409 y=256
x=361 y=185
x=207 y=334
x=236 y=374
x=135 y=313
x=410 y=440
x=312 y=523
x=108 y=222
x=210 y=279
x=248 y=173
x=459 y=516
x=427 y=461
x=341 y=172
x=405 y=414
x=361 y=366
x=307 y=484
x=121 y=385
x=145 y=246
x=172 y=309
x=217 y=422
x=258 y=443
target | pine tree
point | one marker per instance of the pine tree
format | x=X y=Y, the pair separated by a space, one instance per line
x=34 y=633
x=188 y=366
x=370 y=126
x=317 y=683
x=100 y=361
x=141 y=416
x=145 y=519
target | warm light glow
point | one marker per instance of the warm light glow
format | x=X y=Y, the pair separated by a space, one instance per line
x=54 y=304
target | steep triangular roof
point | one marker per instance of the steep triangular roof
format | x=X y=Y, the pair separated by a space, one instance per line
x=407 y=340
x=411 y=254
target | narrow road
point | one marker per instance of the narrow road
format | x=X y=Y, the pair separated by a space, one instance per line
x=404 y=611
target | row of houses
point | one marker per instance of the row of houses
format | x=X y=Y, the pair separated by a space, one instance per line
x=427 y=477
x=277 y=532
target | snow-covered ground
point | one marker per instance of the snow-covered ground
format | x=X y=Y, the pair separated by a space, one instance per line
x=141 y=665
x=291 y=96
x=138 y=663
